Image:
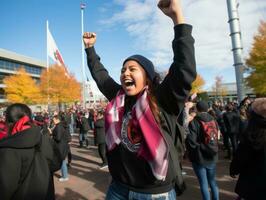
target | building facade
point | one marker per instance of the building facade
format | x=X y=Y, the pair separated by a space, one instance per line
x=230 y=92
x=10 y=62
x=93 y=96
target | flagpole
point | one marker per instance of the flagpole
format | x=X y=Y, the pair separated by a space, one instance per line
x=47 y=65
x=82 y=6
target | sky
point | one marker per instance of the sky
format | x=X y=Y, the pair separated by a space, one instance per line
x=125 y=28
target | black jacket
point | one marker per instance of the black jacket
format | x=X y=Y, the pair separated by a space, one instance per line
x=250 y=163
x=99 y=131
x=125 y=167
x=61 y=137
x=24 y=170
x=197 y=149
x=231 y=121
x=84 y=125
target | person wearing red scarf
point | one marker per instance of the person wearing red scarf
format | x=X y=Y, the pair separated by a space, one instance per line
x=24 y=169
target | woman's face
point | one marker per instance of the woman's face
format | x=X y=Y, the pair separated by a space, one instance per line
x=133 y=78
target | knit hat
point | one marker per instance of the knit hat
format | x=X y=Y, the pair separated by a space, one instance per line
x=202 y=106
x=145 y=63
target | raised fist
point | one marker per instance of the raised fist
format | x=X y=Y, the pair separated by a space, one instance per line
x=89 y=39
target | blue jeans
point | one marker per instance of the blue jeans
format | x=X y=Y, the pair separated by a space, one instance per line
x=64 y=169
x=206 y=176
x=71 y=128
x=117 y=191
x=83 y=136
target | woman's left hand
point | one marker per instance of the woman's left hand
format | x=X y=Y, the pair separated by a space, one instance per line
x=172 y=8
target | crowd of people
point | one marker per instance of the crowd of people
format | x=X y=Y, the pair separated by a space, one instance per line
x=148 y=127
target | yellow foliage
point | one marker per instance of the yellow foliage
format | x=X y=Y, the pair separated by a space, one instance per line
x=257 y=62
x=59 y=86
x=197 y=84
x=21 y=88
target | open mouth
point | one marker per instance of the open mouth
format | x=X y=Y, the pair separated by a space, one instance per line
x=129 y=83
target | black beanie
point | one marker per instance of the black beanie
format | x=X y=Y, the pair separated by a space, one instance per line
x=145 y=63
x=202 y=106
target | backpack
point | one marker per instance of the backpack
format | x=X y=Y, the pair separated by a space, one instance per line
x=210 y=137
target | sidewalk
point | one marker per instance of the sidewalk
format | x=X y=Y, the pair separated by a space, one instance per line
x=87 y=182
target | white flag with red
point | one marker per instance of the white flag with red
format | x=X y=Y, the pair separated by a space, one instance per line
x=52 y=50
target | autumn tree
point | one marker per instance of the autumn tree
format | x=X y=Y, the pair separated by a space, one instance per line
x=257 y=62
x=218 y=89
x=197 y=85
x=21 y=88
x=60 y=86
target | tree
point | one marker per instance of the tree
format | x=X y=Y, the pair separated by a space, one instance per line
x=257 y=62
x=21 y=88
x=218 y=89
x=59 y=85
x=197 y=84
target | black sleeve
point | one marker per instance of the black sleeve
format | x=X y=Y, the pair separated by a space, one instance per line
x=192 y=138
x=58 y=133
x=10 y=170
x=176 y=86
x=241 y=159
x=104 y=81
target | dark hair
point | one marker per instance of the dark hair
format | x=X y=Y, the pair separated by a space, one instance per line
x=229 y=107
x=151 y=93
x=16 y=111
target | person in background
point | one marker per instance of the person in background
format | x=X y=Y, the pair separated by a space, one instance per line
x=141 y=117
x=60 y=136
x=203 y=151
x=100 y=137
x=24 y=168
x=91 y=119
x=231 y=121
x=249 y=161
x=84 y=128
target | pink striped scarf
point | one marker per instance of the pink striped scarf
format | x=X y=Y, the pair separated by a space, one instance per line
x=154 y=149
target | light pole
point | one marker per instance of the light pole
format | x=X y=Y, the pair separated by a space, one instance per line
x=237 y=48
x=82 y=7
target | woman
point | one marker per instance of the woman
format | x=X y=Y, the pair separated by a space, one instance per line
x=60 y=135
x=249 y=160
x=24 y=169
x=140 y=119
x=100 y=137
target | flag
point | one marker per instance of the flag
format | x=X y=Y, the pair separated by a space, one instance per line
x=52 y=50
x=82 y=6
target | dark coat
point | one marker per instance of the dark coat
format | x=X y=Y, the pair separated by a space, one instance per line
x=250 y=164
x=24 y=170
x=197 y=150
x=99 y=131
x=231 y=121
x=61 y=137
x=84 y=125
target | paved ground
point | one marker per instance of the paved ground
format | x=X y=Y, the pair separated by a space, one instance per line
x=87 y=182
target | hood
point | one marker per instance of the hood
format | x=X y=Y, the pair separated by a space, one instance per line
x=204 y=116
x=25 y=139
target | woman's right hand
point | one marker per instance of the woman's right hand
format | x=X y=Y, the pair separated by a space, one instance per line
x=89 y=39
